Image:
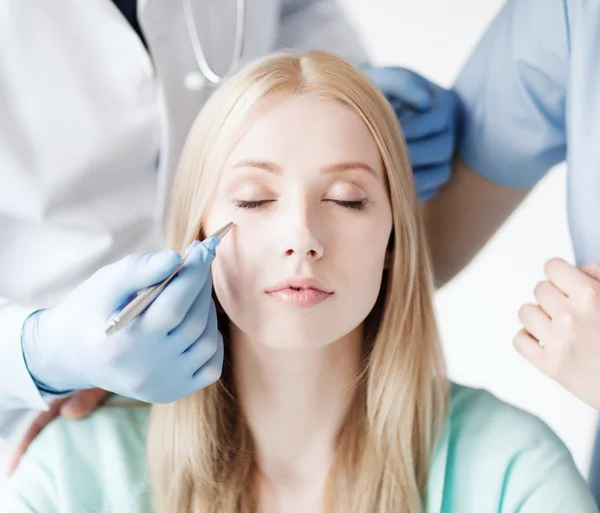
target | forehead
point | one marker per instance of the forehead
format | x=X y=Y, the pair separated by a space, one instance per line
x=316 y=130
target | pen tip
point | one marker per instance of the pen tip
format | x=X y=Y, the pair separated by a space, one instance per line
x=223 y=231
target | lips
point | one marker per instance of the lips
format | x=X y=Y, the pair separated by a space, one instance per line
x=300 y=292
x=300 y=283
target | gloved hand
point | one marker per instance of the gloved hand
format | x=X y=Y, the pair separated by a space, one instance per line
x=168 y=352
x=427 y=113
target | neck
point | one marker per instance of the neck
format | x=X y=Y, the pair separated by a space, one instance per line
x=295 y=403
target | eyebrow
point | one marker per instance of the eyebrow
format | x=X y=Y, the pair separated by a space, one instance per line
x=332 y=168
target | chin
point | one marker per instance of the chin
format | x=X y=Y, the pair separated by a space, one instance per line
x=291 y=337
x=293 y=330
x=292 y=343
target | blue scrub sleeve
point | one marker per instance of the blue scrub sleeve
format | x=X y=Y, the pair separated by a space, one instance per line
x=512 y=94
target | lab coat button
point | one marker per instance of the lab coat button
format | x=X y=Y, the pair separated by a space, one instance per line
x=194 y=81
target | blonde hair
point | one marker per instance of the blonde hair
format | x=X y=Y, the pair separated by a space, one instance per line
x=200 y=450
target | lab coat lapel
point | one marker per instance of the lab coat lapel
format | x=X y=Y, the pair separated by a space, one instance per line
x=164 y=27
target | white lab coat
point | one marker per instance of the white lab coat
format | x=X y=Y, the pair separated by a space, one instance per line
x=90 y=131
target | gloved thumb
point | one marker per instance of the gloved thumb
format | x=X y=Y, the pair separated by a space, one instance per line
x=136 y=272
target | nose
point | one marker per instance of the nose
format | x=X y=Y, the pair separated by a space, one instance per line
x=300 y=238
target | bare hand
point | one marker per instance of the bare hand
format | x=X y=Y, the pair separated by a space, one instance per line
x=561 y=334
x=80 y=404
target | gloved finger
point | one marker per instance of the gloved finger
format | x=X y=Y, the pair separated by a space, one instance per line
x=437 y=149
x=405 y=113
x=402 y=84
x=420 y=125
x=131 y=274
x=195 y=321
x=206 y=345
x=172 y=305
x=430 y=178
x=210 y=371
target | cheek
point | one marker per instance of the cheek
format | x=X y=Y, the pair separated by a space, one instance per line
x=228 y=271
x=363 y=259
x=369 y=266
x=237 y=268
x=224 y=278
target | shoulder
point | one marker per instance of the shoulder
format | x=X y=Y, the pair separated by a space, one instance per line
x=479 y=420
x=480 y=410
x=90 y=464
x=499 y=455
x=92 y=439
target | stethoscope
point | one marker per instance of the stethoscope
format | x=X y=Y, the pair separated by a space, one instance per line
x=203 y=65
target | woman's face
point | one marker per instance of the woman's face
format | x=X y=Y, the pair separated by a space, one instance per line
x=306 y=189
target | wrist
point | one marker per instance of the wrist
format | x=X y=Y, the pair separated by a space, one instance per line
x=34 y=362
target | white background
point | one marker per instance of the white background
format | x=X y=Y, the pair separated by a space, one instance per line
x=478 y=310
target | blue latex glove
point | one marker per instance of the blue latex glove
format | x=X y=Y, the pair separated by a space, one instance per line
x=168 y=352
x=427 y=113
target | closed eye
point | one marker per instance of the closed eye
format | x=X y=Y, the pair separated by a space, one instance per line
x=252 y=204
x=355 y=205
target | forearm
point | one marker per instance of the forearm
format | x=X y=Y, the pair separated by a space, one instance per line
x=463 y=216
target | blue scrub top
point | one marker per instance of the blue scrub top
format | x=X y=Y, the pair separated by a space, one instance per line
x=530 y=98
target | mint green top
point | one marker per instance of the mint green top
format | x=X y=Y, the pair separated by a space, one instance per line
x=492 y=458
